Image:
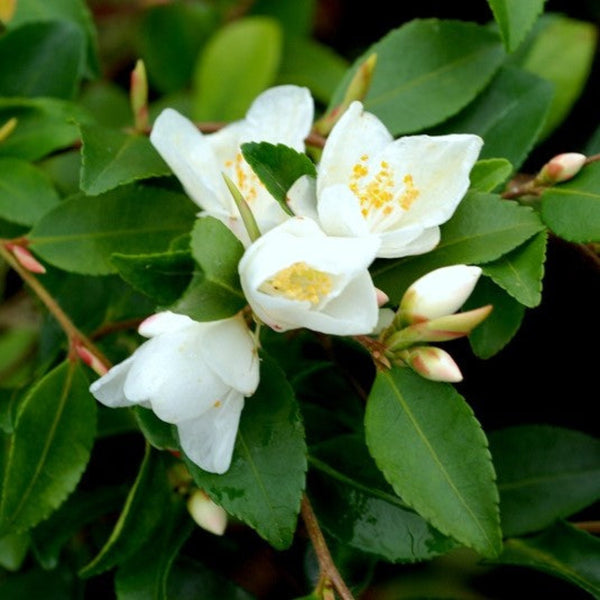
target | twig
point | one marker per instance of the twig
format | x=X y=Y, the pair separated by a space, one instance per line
x=589 y=526
x=328 y=569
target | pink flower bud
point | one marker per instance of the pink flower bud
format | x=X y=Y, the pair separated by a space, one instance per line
x=561 y=168
x=432 y=363
x=206 y=513
x=139 y=96
x=26 y=259
x=441 y=292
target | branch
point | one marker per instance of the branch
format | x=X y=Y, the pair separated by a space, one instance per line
x=327 y=567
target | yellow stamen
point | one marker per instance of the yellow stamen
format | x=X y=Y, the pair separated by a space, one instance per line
x=300 y=282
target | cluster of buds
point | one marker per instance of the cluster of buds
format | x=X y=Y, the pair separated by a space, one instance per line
x=427 y=313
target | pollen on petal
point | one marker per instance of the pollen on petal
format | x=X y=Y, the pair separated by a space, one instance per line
x=300 y=282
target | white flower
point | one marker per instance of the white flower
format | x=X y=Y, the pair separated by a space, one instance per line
x=439 y=293
x=192 y=374
x=296 y=276
x=280 y=115
x=399 y=190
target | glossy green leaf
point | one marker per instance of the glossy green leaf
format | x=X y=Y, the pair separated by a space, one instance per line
x=544 y=473
x=162 y=277
x=562 y=53
x=264 y=484
x=501 y=325
x=356 y=505
x=572 y=209
x=80 y=509
x=509 y=115
x=483 y=228
x=488 y=174
x=431 y=449
x=37 y=583
x=109 y=103
x=82 y=233
x=296 y=16
x=43 y=125
x=16 y=348
x=13 y=550
x=63 y=171
x=111 y=158
x=49 y=448
x=146 y=573
x=306 y=62
x=520 y=272
x=515 y=18
x=278 y=167
x=25 y=193
x=42 y=59
x=140 y=518
x=593 y=145
x=159 y=434
x=169 y=40
x=562 y=551
x=426 y=71
x=238 y=63
x=73 y=11
x=214 y=293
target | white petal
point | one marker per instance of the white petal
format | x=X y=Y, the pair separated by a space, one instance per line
x=163 y=322
x=208 y=440
x=302 y=198
x=109 y=388
x=356 y=134
x=280 y=115
x=170 y=372
x=340 y=212
x=408 y=241
x=230 y=351
x=192 y=160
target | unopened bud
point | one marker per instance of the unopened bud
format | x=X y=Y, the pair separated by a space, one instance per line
x=26 y=259
x=139 y=96
x=7 y=128
x=356 y=90
x=561 y=168
x=443 y=329
x=441 y=292
x=432 y=363
x=7 y=10
x=206 y=513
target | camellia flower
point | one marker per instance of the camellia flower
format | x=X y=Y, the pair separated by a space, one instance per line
x=280 y=115
x=398 y=190
x=192 y=374
x=297 y=276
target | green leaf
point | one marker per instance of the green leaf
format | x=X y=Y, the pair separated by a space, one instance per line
x=25 y=193
x=562 y=551
x=278 y=167
x=159 y=434
x=215 y=293
x=49 y=448
x=508 y=115
x=562 y=53
x=169 y=40
x=515 y=18
x=501 y=325
x=146 y=573
x=111 y=158
x=13 y=550
x=140 y=518
x=544 y=473
x=429 y=446
x=73 y=11
x=572 y=209
x=520 y=272
x=42 y=59
x=238 y=62
x=307 y=63
x=37 y=583
x=356 y=505
x=81 y=508
x=43 y=125
x=426 y=71
x=264 y=485
x=296 y=16
x=162 y=277
x=490 y=173
x=82 y=233
x=483 y=228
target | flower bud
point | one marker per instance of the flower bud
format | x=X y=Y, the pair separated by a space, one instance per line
x=432 y=363
x=26 y=259
x=91 y=360
x=441 y=292
x=139 y=96
x=561 y=168
x=7 y=10
x=206 y=513
x=7 y=128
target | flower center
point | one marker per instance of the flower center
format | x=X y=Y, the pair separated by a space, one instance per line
x=300 y=282
x=244 y=177
x=377 y=193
